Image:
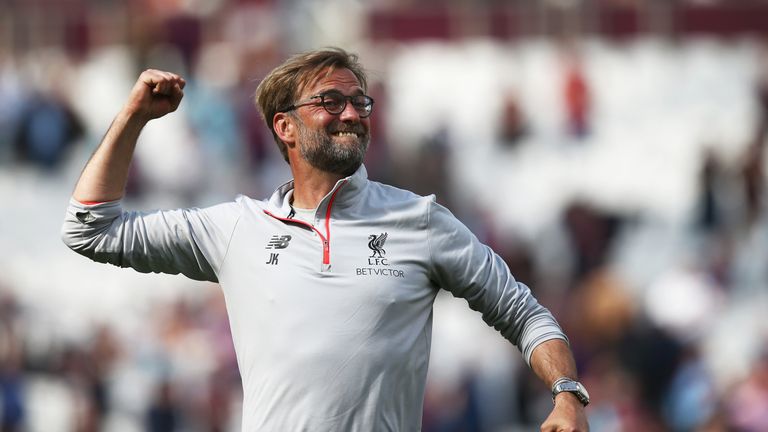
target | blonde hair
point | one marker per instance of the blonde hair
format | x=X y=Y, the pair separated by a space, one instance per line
x=280 y=88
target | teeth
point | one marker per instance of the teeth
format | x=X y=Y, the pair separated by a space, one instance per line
x=341 y=134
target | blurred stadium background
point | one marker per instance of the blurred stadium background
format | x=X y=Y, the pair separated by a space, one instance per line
x=612 y=151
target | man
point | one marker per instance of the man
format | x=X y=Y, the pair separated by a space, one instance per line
x=330 y=283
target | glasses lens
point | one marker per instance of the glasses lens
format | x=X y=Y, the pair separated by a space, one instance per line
x=363 y=104
x=334 y=102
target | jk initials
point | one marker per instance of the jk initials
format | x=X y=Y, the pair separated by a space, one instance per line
x=272 y=259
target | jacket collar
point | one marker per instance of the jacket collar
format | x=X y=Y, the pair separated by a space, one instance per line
x=348 y=187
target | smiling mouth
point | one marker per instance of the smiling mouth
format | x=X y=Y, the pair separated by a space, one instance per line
x=346 y=134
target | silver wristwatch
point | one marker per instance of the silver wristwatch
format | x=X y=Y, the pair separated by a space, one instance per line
x=568 y=385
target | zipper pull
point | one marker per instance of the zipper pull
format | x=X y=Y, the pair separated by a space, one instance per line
x=326 y=256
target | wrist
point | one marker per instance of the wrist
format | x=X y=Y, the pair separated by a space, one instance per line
x=567 y=398
x=132 y=116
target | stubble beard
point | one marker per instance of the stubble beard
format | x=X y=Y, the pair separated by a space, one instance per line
x=319 y=149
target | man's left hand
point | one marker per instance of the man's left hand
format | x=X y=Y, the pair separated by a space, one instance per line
x=567 y=416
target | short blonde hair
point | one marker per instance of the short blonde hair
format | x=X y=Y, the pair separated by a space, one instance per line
x=280 y=88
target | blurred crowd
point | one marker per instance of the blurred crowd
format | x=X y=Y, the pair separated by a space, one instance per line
x=665 y=315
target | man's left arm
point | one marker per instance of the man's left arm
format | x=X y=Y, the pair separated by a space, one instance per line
x=552 y=360
x=470 y=270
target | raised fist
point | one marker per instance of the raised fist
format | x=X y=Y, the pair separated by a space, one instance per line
x=155 y=94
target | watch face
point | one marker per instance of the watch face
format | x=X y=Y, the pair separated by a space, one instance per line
x=569 y=386
x=575 y=388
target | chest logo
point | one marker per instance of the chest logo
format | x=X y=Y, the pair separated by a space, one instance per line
x=376 y=245
x=379 y=264
x=278 y=242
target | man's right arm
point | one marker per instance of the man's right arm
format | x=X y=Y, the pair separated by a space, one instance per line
x=155 y=94
x=188 y=241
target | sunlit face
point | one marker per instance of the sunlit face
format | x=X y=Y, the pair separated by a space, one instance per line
x=333 y=143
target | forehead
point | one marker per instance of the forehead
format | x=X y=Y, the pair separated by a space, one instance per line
x=338 y=79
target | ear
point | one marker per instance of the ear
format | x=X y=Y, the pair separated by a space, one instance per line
x=285 y=128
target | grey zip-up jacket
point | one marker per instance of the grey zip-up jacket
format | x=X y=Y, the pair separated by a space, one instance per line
x=332 y=321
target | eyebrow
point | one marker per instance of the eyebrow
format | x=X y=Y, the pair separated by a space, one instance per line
x=357 y=91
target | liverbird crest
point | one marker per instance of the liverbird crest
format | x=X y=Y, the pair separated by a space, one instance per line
x=376 y=244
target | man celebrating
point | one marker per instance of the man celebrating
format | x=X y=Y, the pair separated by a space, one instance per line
x=329 y=284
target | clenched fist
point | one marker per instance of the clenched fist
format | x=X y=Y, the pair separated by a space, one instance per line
x=155 y=94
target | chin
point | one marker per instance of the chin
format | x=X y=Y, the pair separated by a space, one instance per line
x=348 y=141
x=347 y=169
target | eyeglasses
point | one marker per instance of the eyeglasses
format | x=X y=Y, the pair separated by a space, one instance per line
x=334 y=102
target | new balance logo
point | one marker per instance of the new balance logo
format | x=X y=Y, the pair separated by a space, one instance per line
x=278 y=242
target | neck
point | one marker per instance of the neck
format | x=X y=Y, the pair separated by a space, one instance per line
x=311 y=185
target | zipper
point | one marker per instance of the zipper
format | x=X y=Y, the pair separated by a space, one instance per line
x=326 y=239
